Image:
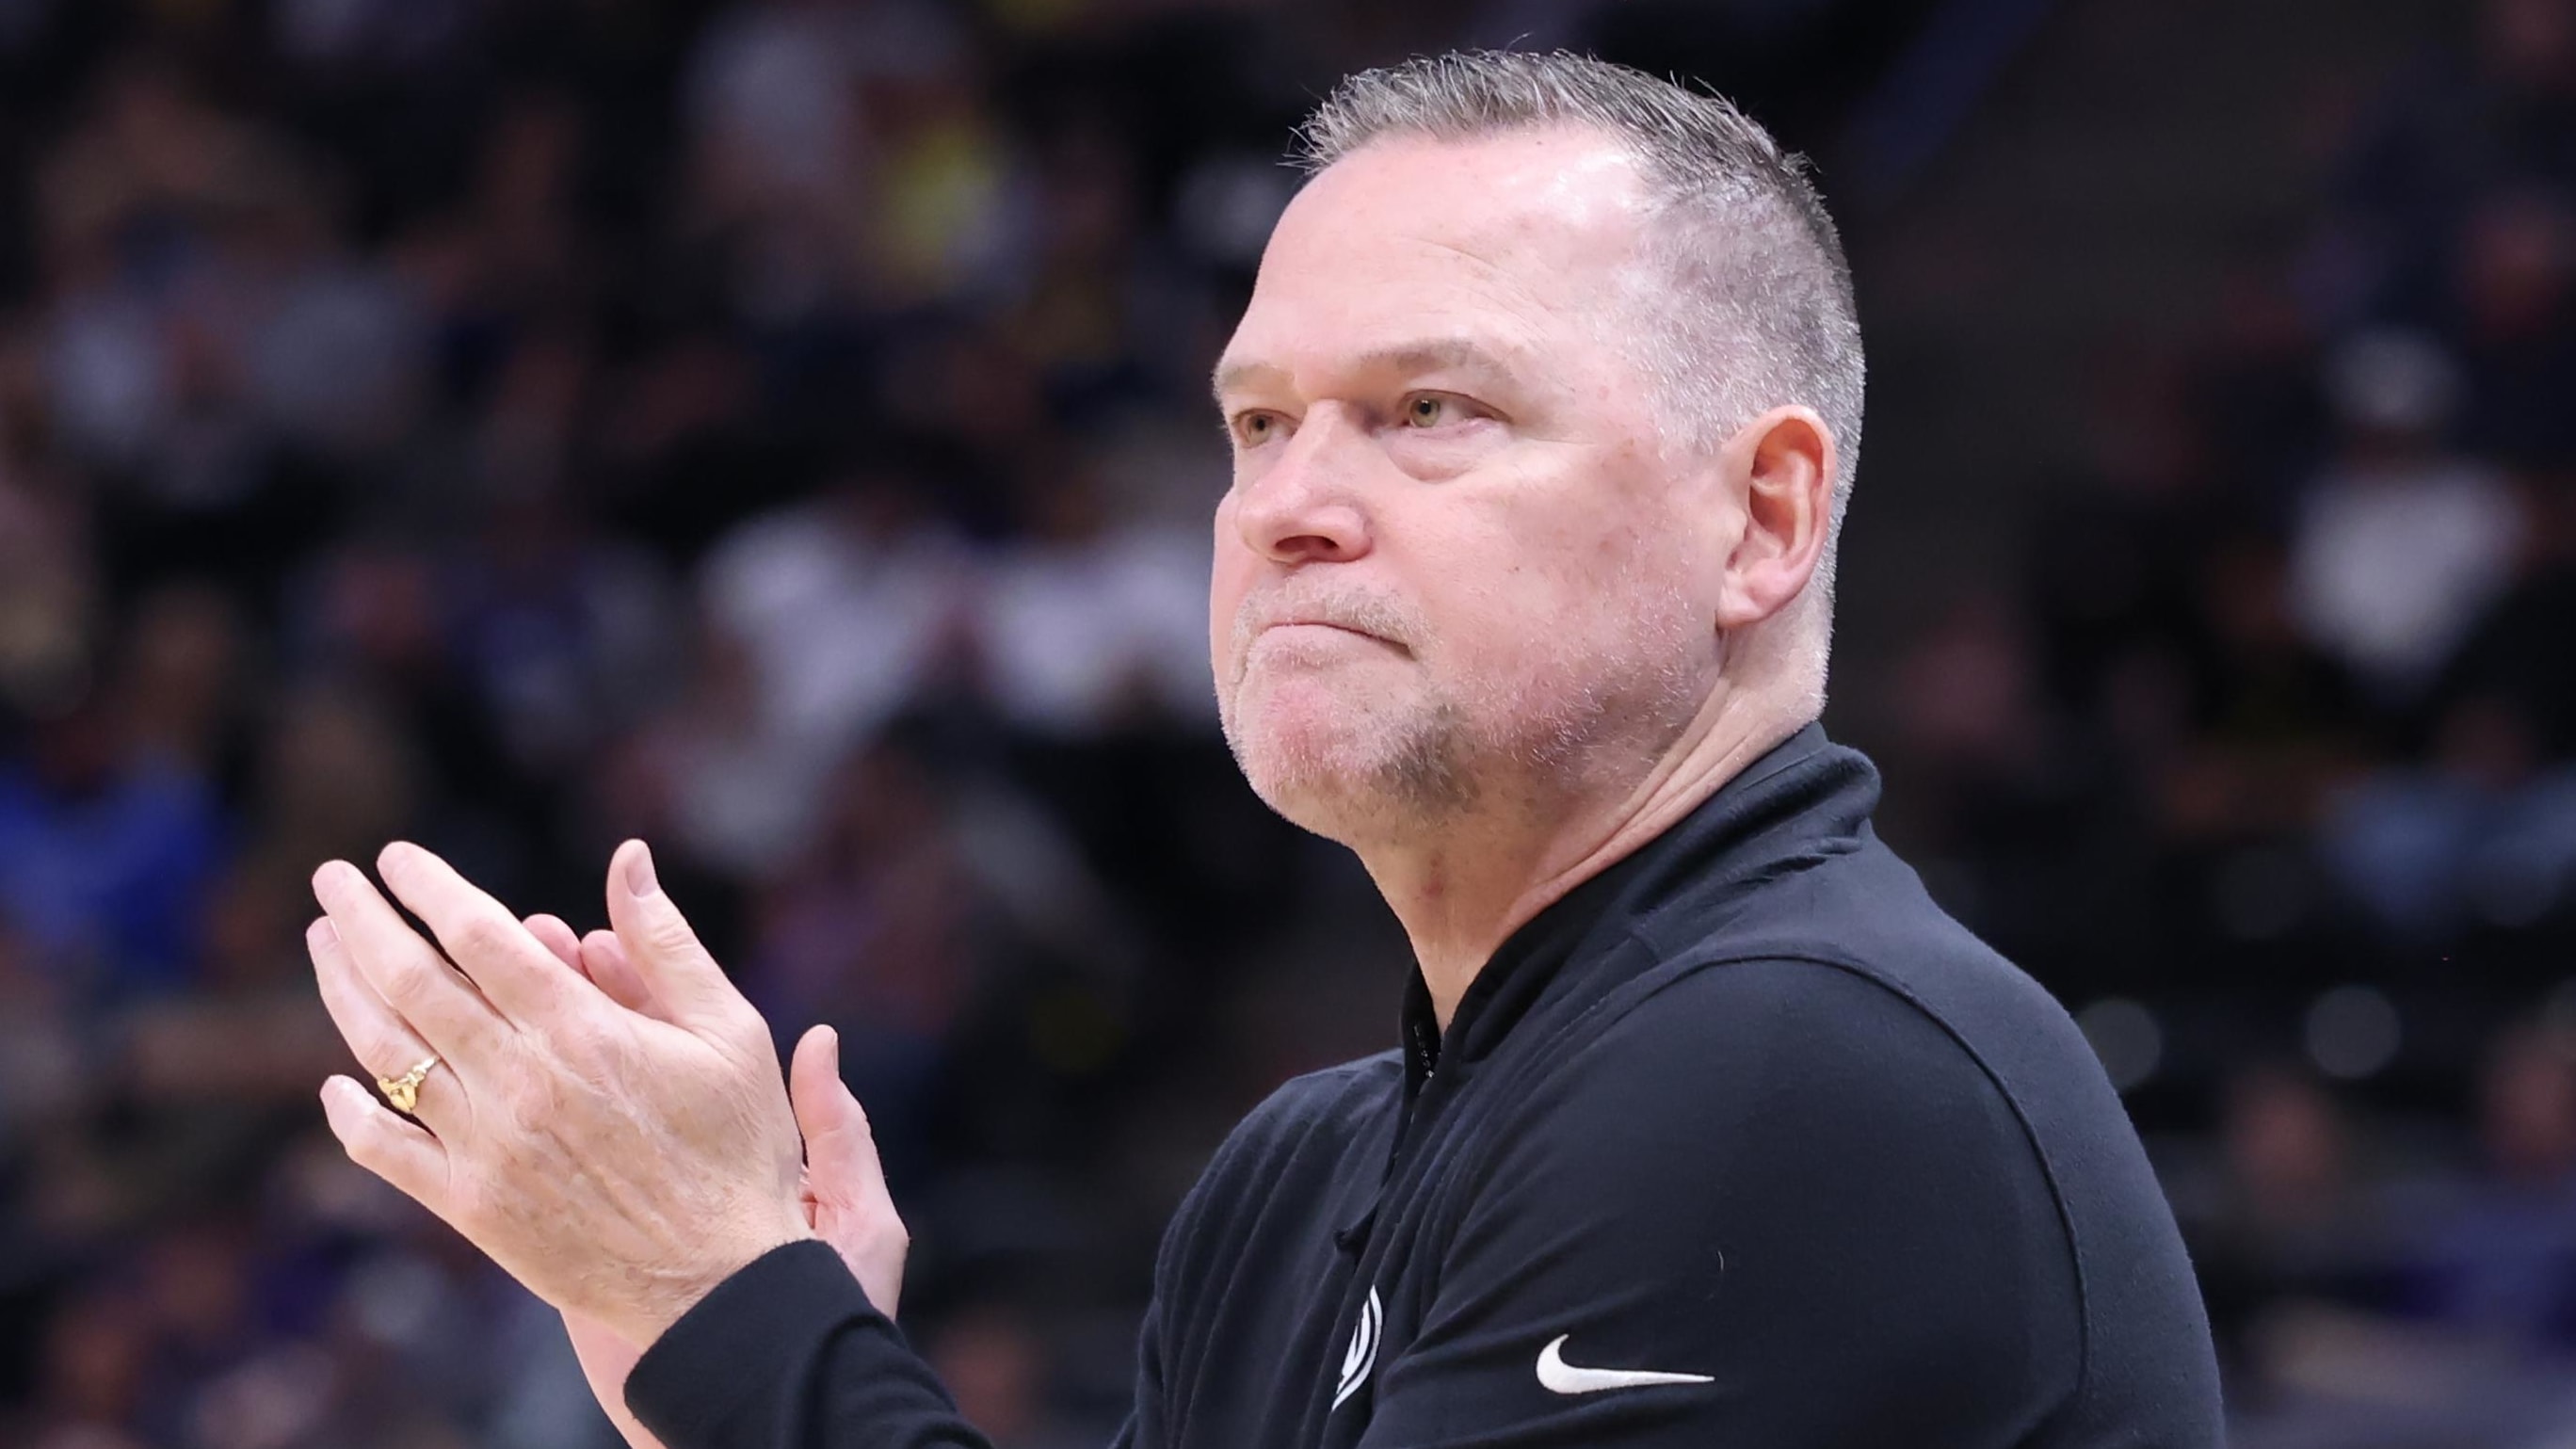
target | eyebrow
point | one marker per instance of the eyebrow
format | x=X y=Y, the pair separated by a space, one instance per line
x=1429 y=355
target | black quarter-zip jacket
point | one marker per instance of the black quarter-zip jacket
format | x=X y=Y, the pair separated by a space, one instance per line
x=1742 y=1143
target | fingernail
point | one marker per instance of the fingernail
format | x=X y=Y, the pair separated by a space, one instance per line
x=639 y=872
x=322 y=935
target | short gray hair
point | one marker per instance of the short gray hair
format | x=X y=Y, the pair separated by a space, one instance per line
x=1768 y=316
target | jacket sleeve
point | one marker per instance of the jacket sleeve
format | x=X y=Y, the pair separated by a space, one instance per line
x=789 y=1354
x=1786 y=1197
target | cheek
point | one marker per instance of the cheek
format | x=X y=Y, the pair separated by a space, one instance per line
x=1552 y=613
x=1230 y=578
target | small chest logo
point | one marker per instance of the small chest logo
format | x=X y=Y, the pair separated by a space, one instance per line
x=1362 y=1354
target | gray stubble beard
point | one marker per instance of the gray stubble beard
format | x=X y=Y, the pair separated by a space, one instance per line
x=1425 y=779
x=1438 y=771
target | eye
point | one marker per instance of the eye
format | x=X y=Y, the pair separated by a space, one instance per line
x=1252 y=429
x=1427 y=410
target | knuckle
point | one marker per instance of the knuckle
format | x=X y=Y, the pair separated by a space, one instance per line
x=749 y=1029
x=574 y=1081
x=585 y=1043
x=372 y=1147
x=528 y=1105
x=482 y=937
x=671 y=939
x=408 y=975
x=383 y=1053
x=664 y=927
x=360 y=1143
x=588 y=1068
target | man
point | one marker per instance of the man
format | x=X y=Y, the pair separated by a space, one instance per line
x=1707 y=1127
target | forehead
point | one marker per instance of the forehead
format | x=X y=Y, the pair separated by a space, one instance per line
x=1516 y=240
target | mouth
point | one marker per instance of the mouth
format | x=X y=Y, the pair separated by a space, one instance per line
x=1319 y=624
x=1328 y=626
x=1303 y=646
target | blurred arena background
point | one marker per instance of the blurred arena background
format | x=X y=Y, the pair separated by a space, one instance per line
x=779 y=430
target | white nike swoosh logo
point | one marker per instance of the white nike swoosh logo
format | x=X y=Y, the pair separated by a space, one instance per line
x=1559 y=1377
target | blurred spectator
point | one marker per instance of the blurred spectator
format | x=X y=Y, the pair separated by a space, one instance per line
x=2486 y=832
x=93 y=1373
x=105 y=852
x=991 y=1360
x=779 y=429
x=2291 y=1223
x=335 y=776
x=2398 y=544
x=878 y=930
x=843 y=608
x=2516 y=328
x=2503 y=1260
x=710 y=775
x=566 y=638
x=1086 y=625
x=183 y=675
x=2463 y=123
x=48 y=596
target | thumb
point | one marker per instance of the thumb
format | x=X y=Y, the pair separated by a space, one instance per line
x=845 y=1186
x=840 y=1150
x=661 y=945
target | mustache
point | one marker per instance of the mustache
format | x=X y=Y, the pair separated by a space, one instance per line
x=1357 y=610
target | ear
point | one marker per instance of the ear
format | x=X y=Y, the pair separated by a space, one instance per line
x=1785 y=461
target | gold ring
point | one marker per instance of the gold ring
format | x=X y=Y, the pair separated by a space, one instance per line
x=404 y=1091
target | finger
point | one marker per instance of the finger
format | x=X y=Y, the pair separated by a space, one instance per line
x=407 y=973
x=664 y=949
x=597 y=957
x=480 y=935
x=556 y=936
x=383 y=1044
x=400 y=1152
x=603 y=959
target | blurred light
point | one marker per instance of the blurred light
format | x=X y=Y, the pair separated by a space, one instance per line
x=2352 y=1032
x=2125 y=1036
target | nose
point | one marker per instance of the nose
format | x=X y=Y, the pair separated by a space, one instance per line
x=1302 y=505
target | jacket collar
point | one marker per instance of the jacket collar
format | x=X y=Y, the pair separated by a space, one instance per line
x=1805 y=797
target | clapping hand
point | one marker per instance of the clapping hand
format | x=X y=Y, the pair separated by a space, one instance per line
x=605 y=1117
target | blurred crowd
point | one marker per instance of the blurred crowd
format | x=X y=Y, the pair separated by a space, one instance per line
x=778 y=430
x=2265 y=762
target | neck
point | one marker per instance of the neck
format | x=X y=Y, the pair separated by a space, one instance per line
x=1462 y=889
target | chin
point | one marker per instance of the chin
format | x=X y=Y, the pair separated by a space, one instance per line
x=1348 y=775
x=1294 y=766
x=1313 y=797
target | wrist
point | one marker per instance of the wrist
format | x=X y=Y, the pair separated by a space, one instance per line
x=669 y=1299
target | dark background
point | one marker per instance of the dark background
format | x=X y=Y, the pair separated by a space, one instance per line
x=779 y=430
